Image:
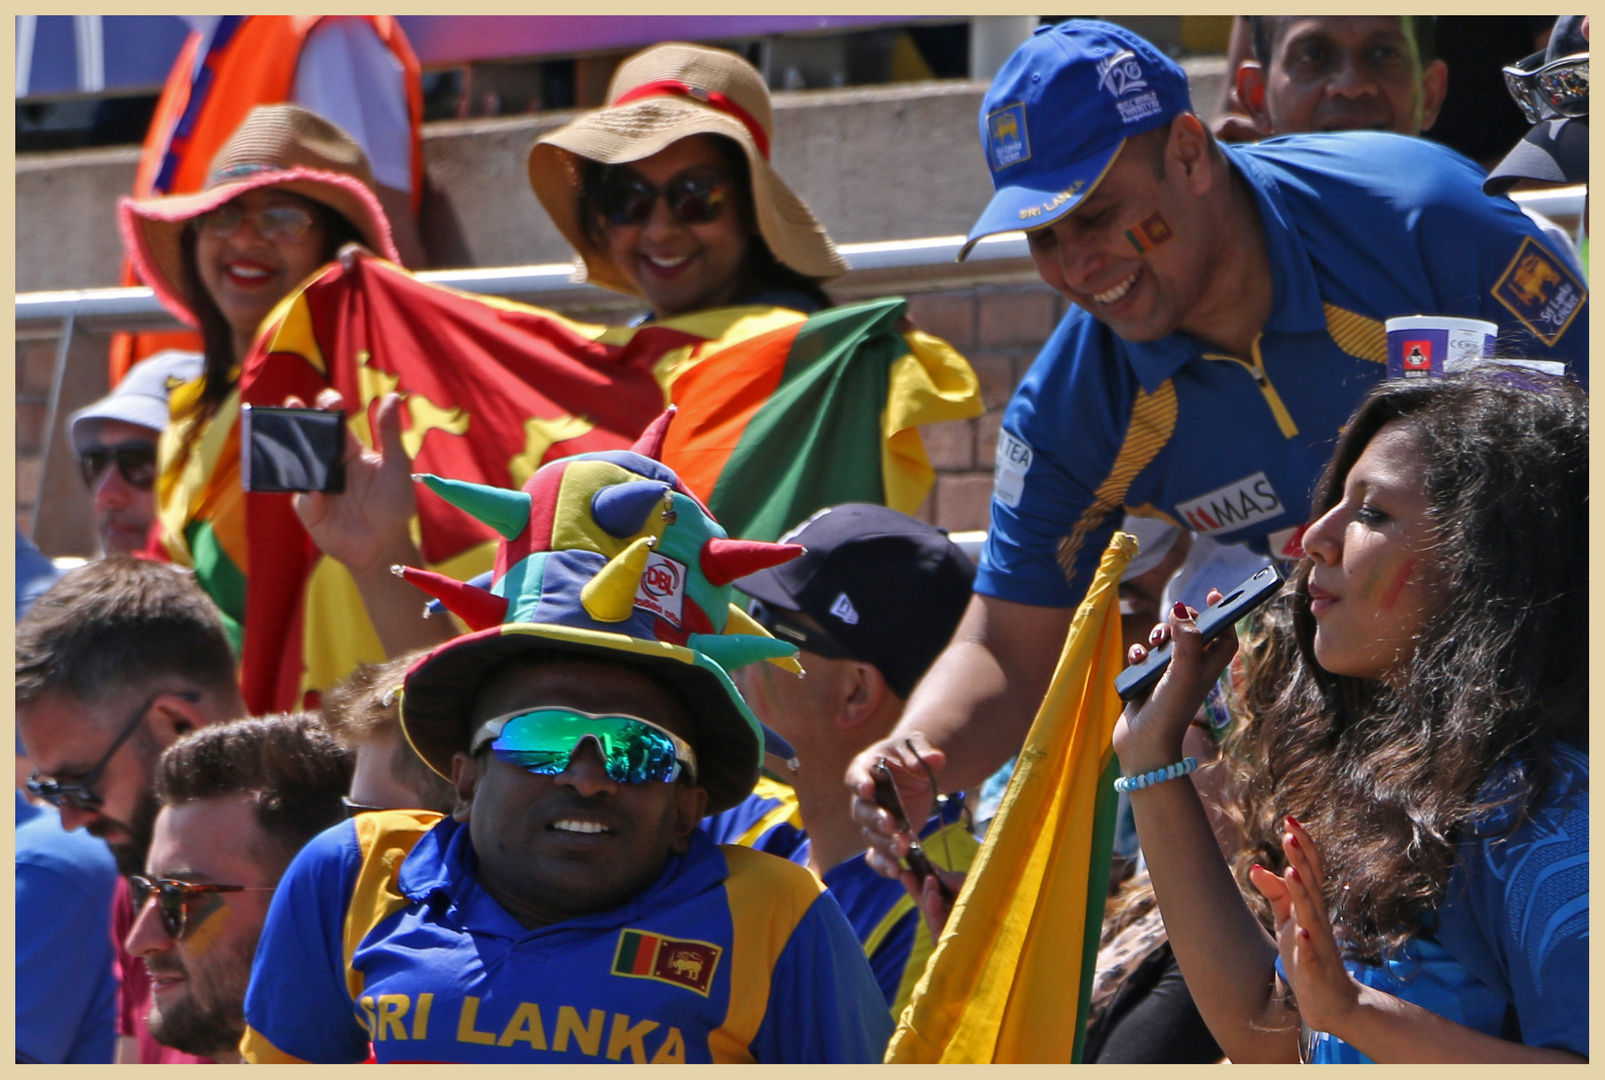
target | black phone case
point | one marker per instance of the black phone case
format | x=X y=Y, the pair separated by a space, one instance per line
x=1140 y=678
x=292 y=450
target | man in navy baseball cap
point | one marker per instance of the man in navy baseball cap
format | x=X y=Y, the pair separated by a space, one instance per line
x=1228 y=310
x=870 y=603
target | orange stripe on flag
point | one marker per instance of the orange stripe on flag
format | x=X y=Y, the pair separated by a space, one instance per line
x=717 y=397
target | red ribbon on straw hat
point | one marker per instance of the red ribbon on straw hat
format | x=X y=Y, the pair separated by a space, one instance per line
x=721 y=102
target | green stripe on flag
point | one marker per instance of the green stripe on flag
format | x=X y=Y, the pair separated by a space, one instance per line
x=1102 y=853
x=817 y=441
x=219 y=578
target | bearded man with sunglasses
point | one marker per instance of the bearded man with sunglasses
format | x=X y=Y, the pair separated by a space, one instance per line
x=115 y=439
x=238 y=801
x=569 y=909
x=114 y=663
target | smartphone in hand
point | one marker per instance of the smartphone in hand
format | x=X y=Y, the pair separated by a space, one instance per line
x=1138 y=679
x=887 y=799
x=292 y=449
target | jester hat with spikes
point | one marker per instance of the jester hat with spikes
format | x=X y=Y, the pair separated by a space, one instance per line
x=606 y=555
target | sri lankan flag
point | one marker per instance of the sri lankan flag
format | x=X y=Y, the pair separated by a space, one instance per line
x=781 y=414
x=1009 y=979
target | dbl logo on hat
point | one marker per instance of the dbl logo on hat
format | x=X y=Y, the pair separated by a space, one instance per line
x=1058 y=113
x=605 y=555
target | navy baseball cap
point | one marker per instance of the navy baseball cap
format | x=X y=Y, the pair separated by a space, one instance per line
x=1058 y=113
x=883 y=588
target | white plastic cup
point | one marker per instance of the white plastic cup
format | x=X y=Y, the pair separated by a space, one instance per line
x=1430 y=346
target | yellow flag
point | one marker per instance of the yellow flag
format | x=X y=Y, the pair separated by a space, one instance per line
x=1003 y=984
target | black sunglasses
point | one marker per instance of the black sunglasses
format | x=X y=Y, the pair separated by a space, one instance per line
x=626 y=199
x=79 y=794
x=135 y=460
x=1545 y=91
x=173 y=898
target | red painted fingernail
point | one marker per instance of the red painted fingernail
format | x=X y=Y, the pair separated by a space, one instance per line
x=1257 y=866
x=1305 y=934
x=1293 y=840
x=1293 y=821
x=1180 y=611
x=1292 y=872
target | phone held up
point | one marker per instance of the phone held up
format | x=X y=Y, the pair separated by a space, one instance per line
x=887 y=799
x=292 y=449
x=1212 y=622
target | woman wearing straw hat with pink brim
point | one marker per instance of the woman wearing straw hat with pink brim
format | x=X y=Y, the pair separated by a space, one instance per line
x=285 y=193
x=667 y=191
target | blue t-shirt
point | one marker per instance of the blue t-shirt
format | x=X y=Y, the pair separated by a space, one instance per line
x=1509 y=956
x=66 y=986
x=881 y=912
x=1360 y=227
x=380 y=934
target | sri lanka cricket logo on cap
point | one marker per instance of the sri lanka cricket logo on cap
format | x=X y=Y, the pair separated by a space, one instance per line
x=644 y=955
x=1007 y=142
x=1541 y=291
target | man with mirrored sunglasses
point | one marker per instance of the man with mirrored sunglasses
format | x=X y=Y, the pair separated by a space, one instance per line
x=114 y=663
x=569 y=909
x=115 y=439
x=238 y=801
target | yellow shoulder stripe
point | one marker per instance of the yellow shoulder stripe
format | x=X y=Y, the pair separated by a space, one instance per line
x=1153 y=419
x=257 y=1050
x=1356 y=334
x=385 y=839
x=768 y=897
x=787 y=813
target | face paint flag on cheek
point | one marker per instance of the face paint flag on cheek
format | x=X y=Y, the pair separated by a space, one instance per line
x=1153 y=231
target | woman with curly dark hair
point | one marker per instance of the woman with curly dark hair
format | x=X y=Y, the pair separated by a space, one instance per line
x=1421 y=753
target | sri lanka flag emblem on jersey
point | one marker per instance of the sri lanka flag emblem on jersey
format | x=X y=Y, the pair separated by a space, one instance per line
x=684 y=963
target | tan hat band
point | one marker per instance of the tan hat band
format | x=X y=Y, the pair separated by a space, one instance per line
x=722 y=102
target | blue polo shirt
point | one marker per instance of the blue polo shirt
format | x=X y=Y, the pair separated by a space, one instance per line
x=379 y=937
x=1360 y=227
x=881 y=911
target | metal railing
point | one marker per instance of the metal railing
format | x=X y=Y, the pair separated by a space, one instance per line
x=102 y=311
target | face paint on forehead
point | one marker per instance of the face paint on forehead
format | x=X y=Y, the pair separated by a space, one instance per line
x=1151 y=232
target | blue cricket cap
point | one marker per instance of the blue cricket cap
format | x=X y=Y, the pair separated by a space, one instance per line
x=1059 y=112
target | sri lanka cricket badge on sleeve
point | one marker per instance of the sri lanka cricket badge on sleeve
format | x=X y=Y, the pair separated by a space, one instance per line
x=1541 y=291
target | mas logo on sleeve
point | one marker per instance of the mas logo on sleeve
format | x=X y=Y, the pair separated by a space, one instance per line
x=1541 y=291
x=644 y=955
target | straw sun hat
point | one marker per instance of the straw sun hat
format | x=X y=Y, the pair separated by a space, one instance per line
x=282 y=146
x=657 y=97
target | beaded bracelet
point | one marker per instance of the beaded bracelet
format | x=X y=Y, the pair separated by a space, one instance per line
x=1158 y=776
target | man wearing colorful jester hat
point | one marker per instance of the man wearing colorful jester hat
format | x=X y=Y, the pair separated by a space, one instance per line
x=569 y=909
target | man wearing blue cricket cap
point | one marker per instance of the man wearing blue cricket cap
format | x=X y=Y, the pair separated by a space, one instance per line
x=1228 y=314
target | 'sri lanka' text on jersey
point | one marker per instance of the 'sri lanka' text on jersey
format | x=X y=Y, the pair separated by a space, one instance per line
x=380 y=937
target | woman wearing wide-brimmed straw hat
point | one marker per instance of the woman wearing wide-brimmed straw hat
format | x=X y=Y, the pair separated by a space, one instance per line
x=284 y=194
x=667 y=191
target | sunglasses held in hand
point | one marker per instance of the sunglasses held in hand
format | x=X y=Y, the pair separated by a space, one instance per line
x=1548 y=91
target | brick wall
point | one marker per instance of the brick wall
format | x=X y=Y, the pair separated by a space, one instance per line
x=999 y=329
